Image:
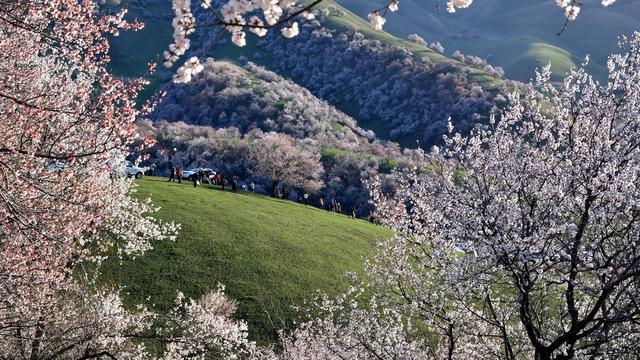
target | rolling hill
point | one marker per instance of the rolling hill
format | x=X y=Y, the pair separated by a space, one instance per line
x=270 y=254
x=516 y=35
x=401 y=90
x=131 y=51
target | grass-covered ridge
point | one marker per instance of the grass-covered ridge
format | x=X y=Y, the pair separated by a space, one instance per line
x=516 y=35
x=149 y=42
x=270 y=254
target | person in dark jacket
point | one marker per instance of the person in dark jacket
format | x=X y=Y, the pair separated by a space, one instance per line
x=234 y=183
x=223 y=182
x=172 y=174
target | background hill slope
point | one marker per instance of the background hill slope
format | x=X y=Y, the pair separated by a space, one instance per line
x=401 y=90
x=270 y=254
x=516 y=34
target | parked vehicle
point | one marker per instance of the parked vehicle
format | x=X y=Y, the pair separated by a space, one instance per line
x=56 y=165
x=127 y=168
x=135 y=171
x=189 y=174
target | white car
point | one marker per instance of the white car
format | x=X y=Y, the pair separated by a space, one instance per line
x=56 y=165
x=187 y=174
x=134 y=171
x=126 y=168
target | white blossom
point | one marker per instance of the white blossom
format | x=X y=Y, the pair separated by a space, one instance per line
x=571 y=12
x=239 y=38
x=291 y=31
x=189 y=69
x=452 y=5
x=376 y=20
x=393 y=6
x=255 y=21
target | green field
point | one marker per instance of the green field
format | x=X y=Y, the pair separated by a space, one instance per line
x=270 y=254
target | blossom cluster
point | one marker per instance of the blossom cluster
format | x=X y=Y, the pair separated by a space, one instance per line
x=572 y=7
x=235 y=16
x=183 y=25
x=190 y=68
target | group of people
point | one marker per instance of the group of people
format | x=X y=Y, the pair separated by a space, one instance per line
x=336 y=207
x=176 y=174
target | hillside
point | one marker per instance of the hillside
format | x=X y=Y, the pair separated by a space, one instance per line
x=250 y=97
x=269 y=254
x=213 y=120
x=430 y=89
x=516 y=35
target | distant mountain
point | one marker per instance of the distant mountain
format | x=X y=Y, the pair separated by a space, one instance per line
x=517 y=35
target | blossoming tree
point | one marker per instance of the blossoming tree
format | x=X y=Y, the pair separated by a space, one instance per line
x=277 y=158
x=519 y=241
x=66 y=123
x=548 y=256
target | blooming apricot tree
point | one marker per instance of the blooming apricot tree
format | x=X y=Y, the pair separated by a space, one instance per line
x=66 y=122
x=519 y=241
x=277 y=158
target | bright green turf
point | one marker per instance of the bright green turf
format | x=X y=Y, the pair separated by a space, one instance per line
x=270 y=254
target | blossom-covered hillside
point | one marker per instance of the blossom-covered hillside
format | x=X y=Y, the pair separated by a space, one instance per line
x=341 y=59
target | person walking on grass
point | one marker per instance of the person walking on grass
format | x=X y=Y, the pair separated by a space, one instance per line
x=305 y=198
x=353 y=212
x=321 y=202
x=196 y=178
x=234 y=183
x=179 y=175
x=172 y=174
x=252 y=187
x=223 y=182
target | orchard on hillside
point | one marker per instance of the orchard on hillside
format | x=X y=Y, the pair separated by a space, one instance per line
x=524 y=243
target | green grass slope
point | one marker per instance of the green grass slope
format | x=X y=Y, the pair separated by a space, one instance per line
x=270 y=254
